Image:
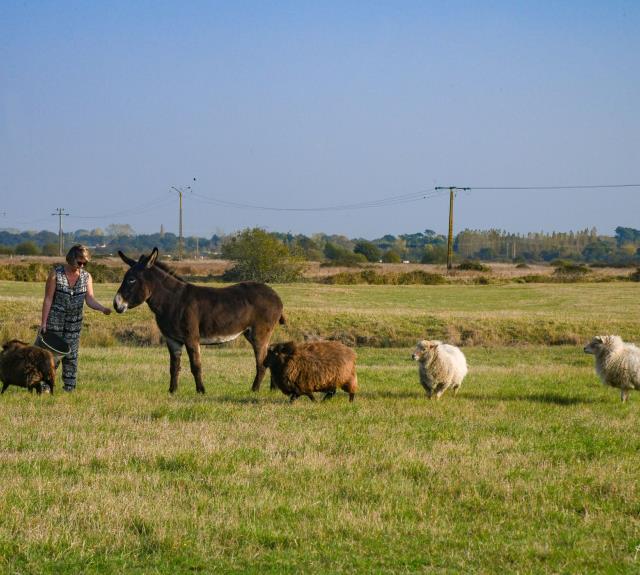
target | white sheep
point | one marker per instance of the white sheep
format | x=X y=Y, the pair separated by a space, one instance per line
x=617 y=363
x=441 y=366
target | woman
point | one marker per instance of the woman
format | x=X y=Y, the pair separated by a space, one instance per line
x=68 y=287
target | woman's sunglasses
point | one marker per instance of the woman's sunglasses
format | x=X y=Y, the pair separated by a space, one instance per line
x=81 y=264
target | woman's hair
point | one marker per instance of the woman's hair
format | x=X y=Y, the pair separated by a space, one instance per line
x=77 y=251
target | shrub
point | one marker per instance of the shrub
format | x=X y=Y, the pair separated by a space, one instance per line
x=259 y=256
x=570 y=268
x=470 y=265
x=369 y=250
x=635 y=276
x=391 y=257
x=421 y=277
x=371 y=277
x=434 y=254
x=340 y=256
x=27 y=249
x=33 y=272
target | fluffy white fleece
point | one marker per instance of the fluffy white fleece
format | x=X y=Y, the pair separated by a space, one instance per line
x=617 y=363
x=440 y=366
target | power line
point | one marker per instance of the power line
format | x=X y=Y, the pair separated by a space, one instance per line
x=586 y=187
x=383 y=202
x=140 y=209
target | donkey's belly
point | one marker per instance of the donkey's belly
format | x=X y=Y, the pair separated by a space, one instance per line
x=218 y=338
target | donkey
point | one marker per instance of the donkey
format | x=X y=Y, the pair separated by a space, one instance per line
x=189 y=315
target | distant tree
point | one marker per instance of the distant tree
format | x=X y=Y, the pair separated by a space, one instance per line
x=434 y=254
x=627 y=236
x=308 y=248
x=50 y=249
x=391 y=257
x=369 y=250
x=341 y=256
x=259 y=256
x=597 y=251
x=120 y=230
x=27 y=249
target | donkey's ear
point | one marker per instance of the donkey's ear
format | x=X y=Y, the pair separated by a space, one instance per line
x=152 y=258
x=127 y=260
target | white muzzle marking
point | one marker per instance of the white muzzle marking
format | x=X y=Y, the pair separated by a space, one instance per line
x=119 y=303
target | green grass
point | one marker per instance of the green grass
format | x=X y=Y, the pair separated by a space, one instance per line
x=532 y=468
x=388 y=316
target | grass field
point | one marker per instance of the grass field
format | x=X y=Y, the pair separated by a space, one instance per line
x=532 y=468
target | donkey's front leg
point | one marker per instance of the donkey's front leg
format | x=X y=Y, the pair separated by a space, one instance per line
x=196 y=366
x=175 y=352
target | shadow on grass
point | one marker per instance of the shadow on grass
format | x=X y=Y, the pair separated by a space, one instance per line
x=549 y=398
x=271 y=399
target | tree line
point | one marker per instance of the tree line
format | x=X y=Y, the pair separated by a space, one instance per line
x=585 y=246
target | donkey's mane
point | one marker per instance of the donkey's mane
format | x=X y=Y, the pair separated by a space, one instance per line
x=165 y=268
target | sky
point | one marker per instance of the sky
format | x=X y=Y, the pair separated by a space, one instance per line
x=338 y=117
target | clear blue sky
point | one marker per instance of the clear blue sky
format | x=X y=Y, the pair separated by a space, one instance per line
x=106 y=105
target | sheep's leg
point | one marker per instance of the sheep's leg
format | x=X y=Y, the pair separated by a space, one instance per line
x=196 y=365
x=351 y=397
x=4 y=387
x=175 y=352
x=624 y=394
x=292 y=397
x=310 y=396
x=455 y=390
x=329 y=395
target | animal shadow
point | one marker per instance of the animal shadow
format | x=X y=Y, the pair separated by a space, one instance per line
x=548 y=398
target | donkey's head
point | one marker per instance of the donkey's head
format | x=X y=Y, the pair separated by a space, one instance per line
x=136 y=284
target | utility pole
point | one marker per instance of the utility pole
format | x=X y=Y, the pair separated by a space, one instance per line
x=180 y=238
x=60 y=212
x=452 y=193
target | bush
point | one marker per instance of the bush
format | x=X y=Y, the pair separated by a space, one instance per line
x=434 y=254
x=259 y=256
x=33 y=272
x=470 y=265
x=368 y=250
x=391 y=257
x=371 y=277
x=27 y=249
x=570 y=268
x=340 y=256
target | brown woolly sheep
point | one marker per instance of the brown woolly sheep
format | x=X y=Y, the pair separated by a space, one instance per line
x=26 y=365
x=302 y=368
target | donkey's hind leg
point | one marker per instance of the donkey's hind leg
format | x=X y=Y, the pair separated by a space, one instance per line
x=259 y=340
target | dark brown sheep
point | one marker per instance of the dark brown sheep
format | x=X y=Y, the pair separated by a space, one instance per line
x=302 y=368
x=26 y=365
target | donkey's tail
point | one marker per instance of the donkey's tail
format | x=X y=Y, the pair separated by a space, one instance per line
x=282 y=320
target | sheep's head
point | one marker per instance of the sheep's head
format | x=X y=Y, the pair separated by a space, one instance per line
x=13 y=344
x=278 y=353
x=424 y=348
x=602 y=343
